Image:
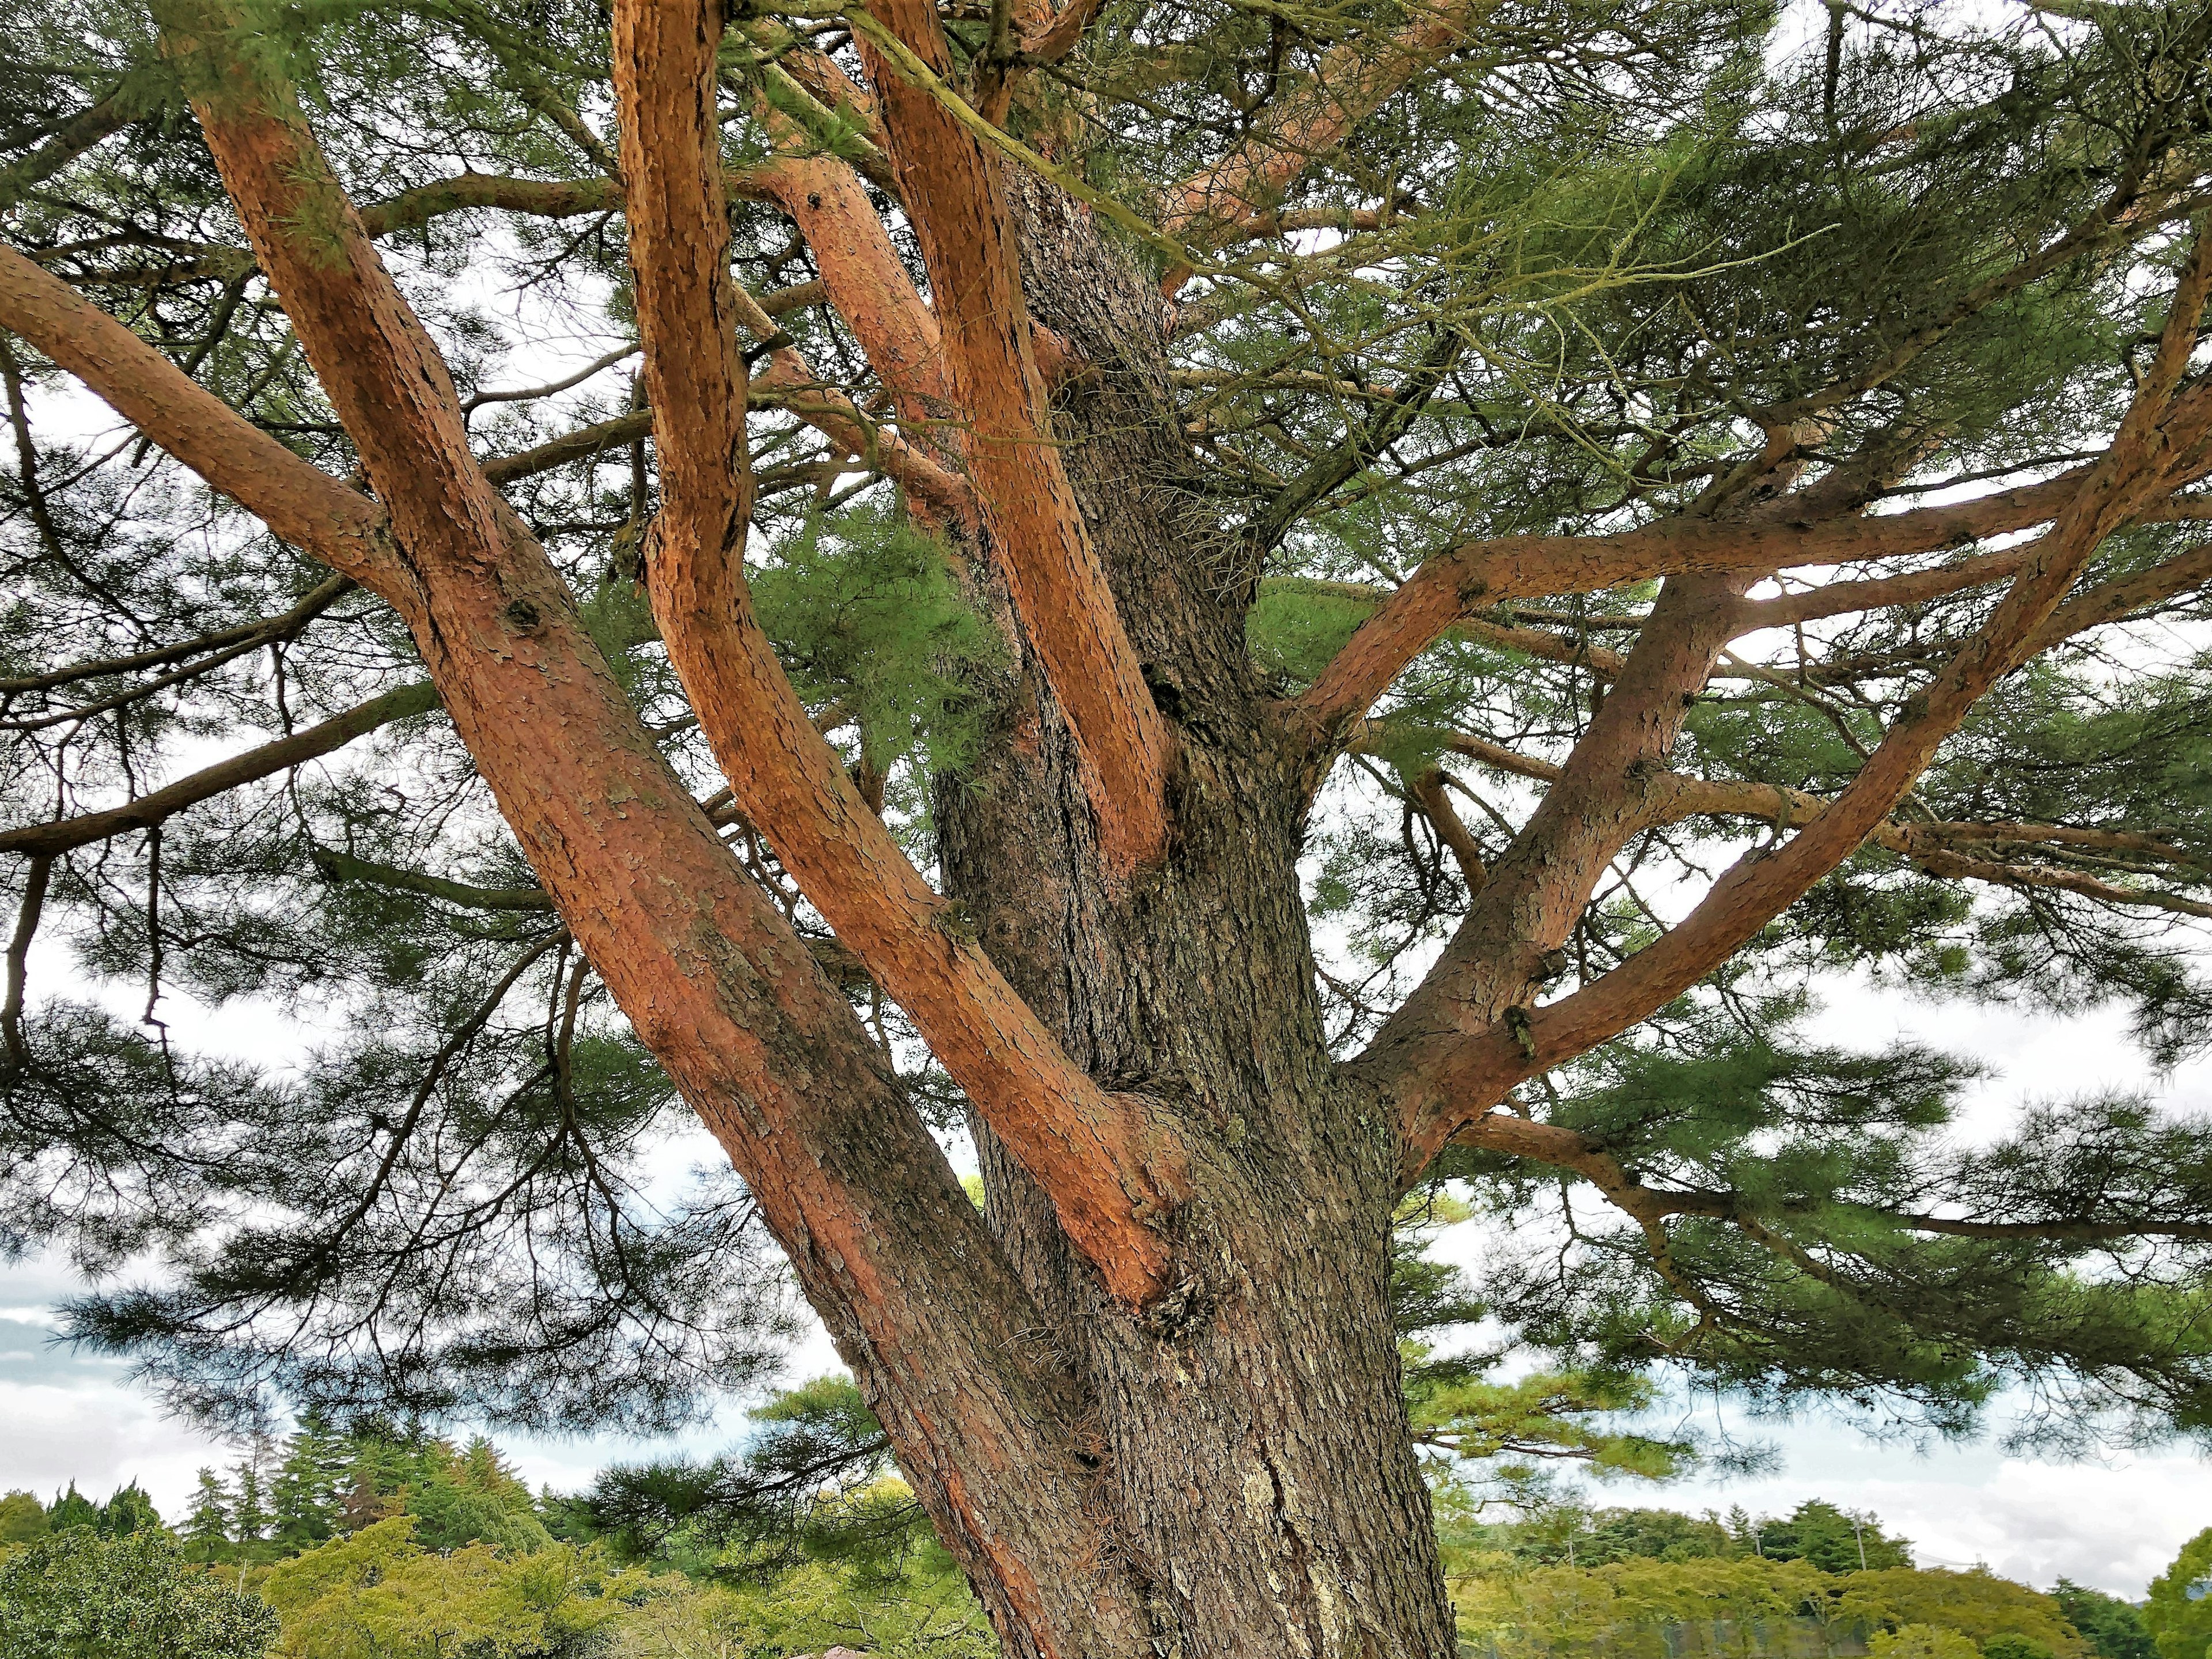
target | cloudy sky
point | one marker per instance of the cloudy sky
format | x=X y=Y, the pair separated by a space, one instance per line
x=2113 y=1523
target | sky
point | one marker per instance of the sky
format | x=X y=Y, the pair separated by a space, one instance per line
x=2113 y=1523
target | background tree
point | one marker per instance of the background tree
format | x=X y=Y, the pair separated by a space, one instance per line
x=2178 y=1612
x=22 y=1517
x=131 y=1597
x=2113 y=1628
x=72 y=1510
x=206 y=1531
x=1258 y=608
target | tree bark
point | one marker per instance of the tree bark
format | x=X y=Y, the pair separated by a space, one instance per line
x=1257 y=1472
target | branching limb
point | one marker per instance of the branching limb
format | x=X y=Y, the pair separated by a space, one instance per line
x=1432 y=601
x=302 y=506
x=1439 y=1082
x=954 y=189
x=1350 y=83
x=67 y=834
x=1086 y=1149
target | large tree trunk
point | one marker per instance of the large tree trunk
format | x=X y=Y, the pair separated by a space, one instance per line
x=1257 y=1478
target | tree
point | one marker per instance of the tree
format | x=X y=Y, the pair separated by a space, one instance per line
x=249 y=1516
x=2178 y=1612
x=76 y=1595
x=208 y=1523
x=22 y=1518
x=1831 y=1540
x=1197 y=591
x=71 y=1510
x=378 y=1592
x=2113 y=1628
x=128 y=1509
x=305 y=1493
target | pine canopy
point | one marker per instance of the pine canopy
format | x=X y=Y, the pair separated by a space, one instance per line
x=1688 y=503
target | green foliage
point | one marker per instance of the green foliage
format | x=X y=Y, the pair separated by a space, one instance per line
x=128 y=1509
x=1831 y=1540
x=2113 y=1628
x=22 y=1518
x=925 y=1609
x=1621 y=1608
x=811 y=1486
x=2179 y=1615
x=1922 y=1642
x=379 y=1594
x=72 y=1510
x=77 y=1594
x=868 y=613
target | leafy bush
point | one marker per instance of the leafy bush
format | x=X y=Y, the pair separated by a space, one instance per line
x=379 y=1594
x=76 y=1595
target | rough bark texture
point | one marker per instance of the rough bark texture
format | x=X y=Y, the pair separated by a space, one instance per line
x=1258 y=1476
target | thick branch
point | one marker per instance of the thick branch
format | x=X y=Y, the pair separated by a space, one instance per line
x=303 y=505
x=1085 y=1148
x=1609 y=790
x=1434 y=598
x=1441 y=1083
x=955 y=192
x=1350 y=83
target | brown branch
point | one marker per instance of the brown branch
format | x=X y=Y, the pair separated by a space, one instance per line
x=1433 y=600
x=1611 y=785
x=1911 y=588
x=19 y=957
x=1432 y=794
x=303 y=505
x=2031 y=877
x=1085 y=1148
x=1349 y=83
x=1441 y=1081
x=66 y=835
x=861 y=271
x=109 y=115
x=1060 y=35
x=954 y=191
x=319 y=601
x=1562 y=1148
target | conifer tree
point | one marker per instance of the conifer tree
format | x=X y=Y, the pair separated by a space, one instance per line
x=128 y=1509
x=207 y=1528
x=71 y=1510
x=1258 y=609
x=249 y=1515
x=304 y=1491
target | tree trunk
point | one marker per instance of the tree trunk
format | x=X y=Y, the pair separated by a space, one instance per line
x=1257 y=1478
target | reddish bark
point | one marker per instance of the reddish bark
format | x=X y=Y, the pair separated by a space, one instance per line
x=1109 y=1175
x=954 y=189
x=710 y=974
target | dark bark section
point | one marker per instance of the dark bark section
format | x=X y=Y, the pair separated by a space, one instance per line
x=1257 y=1473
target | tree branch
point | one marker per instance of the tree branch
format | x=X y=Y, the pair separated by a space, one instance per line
x=1350 y=83
x=67 y=834
x=1087 y=1150
x=1441 y=1082
x=303 y=505
x=1430 y=601
x=957 y=197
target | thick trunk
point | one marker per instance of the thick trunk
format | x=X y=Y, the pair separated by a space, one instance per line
x=1256 y=1474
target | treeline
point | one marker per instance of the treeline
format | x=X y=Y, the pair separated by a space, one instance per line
x=383 y=1542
